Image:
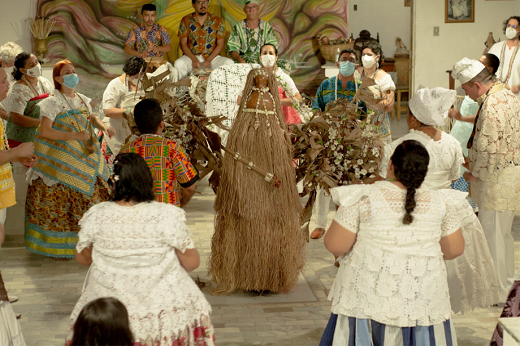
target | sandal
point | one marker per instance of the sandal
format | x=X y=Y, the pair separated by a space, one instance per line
x=317 y=233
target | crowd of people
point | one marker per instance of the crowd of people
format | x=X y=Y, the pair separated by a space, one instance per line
x=410 y=248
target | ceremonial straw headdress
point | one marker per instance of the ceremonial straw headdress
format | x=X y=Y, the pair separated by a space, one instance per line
x=431 y=106
x=466 y=69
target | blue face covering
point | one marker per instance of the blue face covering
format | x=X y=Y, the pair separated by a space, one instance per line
x=346 y=68
x=468 y=107
x=70 y=80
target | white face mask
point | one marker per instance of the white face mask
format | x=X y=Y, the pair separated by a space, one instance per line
x=36 y=71
x=267 y=60
x=511 y=33
x=368 y=61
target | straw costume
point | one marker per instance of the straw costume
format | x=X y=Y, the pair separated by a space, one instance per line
x=258 y=244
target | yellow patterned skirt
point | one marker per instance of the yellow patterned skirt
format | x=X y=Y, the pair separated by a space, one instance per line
x=52 y=214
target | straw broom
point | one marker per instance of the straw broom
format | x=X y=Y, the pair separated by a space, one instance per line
x=42 y=27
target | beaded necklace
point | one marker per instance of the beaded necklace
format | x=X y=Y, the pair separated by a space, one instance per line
x=502 y=61
x=247 y=36
x=89 y=146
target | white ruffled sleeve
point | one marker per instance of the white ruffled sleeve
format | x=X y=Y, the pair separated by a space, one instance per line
x=456 y=204
x=50 y=107
x=386 y=83
x=180 y=235
x=347 y=199
x=113 y=93
x=288 y=83
x=18 y=98
x=88 y=226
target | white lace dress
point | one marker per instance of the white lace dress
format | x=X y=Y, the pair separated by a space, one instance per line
x=471 y=277
x=395 y=273
x=134 y=260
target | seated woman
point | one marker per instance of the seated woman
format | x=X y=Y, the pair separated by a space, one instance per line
x=71 y=173
x=392 y=237
x=371 y=58
x=471 y=277
x=140 y=251
x=30 y=89
x=286 y=88
x=120 y=97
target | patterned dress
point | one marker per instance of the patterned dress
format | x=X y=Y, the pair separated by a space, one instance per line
x=142 y=40
x=170 y=167
x=247 y=42
x=67 y=181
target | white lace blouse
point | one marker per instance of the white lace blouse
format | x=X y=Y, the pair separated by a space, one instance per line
x=21 y=94
x=134 y=260
x=395 y=273
x=445 y=158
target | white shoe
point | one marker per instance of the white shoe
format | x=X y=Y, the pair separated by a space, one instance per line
x=13 y=299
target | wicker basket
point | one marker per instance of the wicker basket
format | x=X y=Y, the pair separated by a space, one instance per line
x=329 y=51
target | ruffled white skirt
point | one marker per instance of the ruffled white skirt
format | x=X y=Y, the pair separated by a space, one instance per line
x=471 y=277
x=10 y=331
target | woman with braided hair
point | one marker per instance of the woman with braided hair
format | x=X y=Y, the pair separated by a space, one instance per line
x=392 y=237
x=471 y=277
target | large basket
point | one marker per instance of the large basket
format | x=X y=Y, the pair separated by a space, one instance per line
x=329 y=51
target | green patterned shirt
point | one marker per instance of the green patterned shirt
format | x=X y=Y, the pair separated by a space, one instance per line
x=247 y=42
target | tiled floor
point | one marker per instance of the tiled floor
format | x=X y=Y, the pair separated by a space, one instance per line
x=49 y=289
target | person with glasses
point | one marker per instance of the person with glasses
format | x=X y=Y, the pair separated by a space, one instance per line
x=344 y=85
x=249 y=35
x=493 y=162
x=148 y=39
x=507 y=51
x=201 y=40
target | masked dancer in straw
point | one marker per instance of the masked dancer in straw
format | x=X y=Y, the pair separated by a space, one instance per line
x=258 y=244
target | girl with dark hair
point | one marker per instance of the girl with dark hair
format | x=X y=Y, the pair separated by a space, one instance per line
x=392 y=237
x=471 y=277
x=29 y=89
x=103 y=322
x=140 y=251
x=371 y=61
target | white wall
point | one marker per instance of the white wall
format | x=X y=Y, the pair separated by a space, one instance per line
x=388 y=17
x=434 y=55
x=13 y=24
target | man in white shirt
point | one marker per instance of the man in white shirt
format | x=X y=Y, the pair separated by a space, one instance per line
x=507 y=51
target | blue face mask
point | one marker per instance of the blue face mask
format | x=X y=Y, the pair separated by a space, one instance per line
x=70 y=80
x=346 y=68
x=468 y=107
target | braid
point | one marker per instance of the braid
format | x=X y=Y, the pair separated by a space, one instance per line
x=410 y=161
x=409 y=206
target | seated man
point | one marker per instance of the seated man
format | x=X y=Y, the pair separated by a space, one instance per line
x=201 y=39
x=341 y=86
x=170 y=167
x=148 y=39
x=249 y=35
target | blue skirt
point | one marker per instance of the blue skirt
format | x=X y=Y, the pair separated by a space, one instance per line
x=350 y=331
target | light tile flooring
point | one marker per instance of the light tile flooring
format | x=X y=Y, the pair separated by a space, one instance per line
x=49 y=289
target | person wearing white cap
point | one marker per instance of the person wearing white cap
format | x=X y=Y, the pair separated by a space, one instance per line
x=471 y=277
x=250 y=35
x=507 y=51
x=494 y=162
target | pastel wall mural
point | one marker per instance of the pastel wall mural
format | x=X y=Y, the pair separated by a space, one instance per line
x=91 y=33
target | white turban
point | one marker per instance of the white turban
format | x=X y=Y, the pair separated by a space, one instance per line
x=431 y=106
x=253 y=2
x=466 y=69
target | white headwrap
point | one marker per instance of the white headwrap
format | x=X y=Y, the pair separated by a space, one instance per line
x=466 y=69
x=431 y=106
x=254 y=2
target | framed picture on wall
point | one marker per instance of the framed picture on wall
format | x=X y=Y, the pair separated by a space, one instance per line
x=408 y=3
x=459 y=11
